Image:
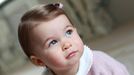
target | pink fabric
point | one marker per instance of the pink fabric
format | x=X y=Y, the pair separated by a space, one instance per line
x=106 y=65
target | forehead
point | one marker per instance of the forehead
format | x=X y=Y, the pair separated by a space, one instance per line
x=56 y=23
x=59 y=21
x=51 y=27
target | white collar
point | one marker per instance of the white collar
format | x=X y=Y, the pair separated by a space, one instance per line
x=85 y=61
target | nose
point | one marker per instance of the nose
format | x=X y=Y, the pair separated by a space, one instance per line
x=66 y=46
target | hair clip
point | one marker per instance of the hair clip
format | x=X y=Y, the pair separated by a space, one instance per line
x=59 y=5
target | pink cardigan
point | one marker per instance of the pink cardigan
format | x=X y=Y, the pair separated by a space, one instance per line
x=103 y=64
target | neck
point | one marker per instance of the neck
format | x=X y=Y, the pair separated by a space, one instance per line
x=70 y=71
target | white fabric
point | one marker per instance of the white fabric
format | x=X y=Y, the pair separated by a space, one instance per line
x=85 y=61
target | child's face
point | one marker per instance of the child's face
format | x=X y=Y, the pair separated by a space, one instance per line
x=61 y=46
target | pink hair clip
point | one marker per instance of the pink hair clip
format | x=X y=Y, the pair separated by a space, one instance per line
x=59 y=5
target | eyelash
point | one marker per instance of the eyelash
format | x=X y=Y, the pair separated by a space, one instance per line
x=53 y=42
x=69 y=32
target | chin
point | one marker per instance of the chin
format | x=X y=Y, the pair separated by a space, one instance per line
x=74 y=61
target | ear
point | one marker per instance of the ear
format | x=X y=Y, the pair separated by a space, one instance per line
x=35 y=60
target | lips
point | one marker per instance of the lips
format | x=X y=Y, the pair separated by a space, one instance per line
x=71 y=54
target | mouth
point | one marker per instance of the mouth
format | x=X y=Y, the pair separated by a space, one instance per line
x=71 y=54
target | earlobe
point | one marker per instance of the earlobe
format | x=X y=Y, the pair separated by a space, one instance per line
x=35 y=60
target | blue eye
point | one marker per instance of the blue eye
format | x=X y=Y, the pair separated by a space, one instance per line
x=68 y=32
x=53 y=42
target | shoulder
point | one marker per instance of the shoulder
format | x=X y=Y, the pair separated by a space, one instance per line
x=105 y=58
x=106 y=65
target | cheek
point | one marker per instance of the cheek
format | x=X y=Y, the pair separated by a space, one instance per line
x=78 y=42
x=77 y=39
x=53 y=59
x=55 y=63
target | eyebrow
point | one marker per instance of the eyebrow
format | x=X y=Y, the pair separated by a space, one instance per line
x=44 y=42
x=68 y=26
